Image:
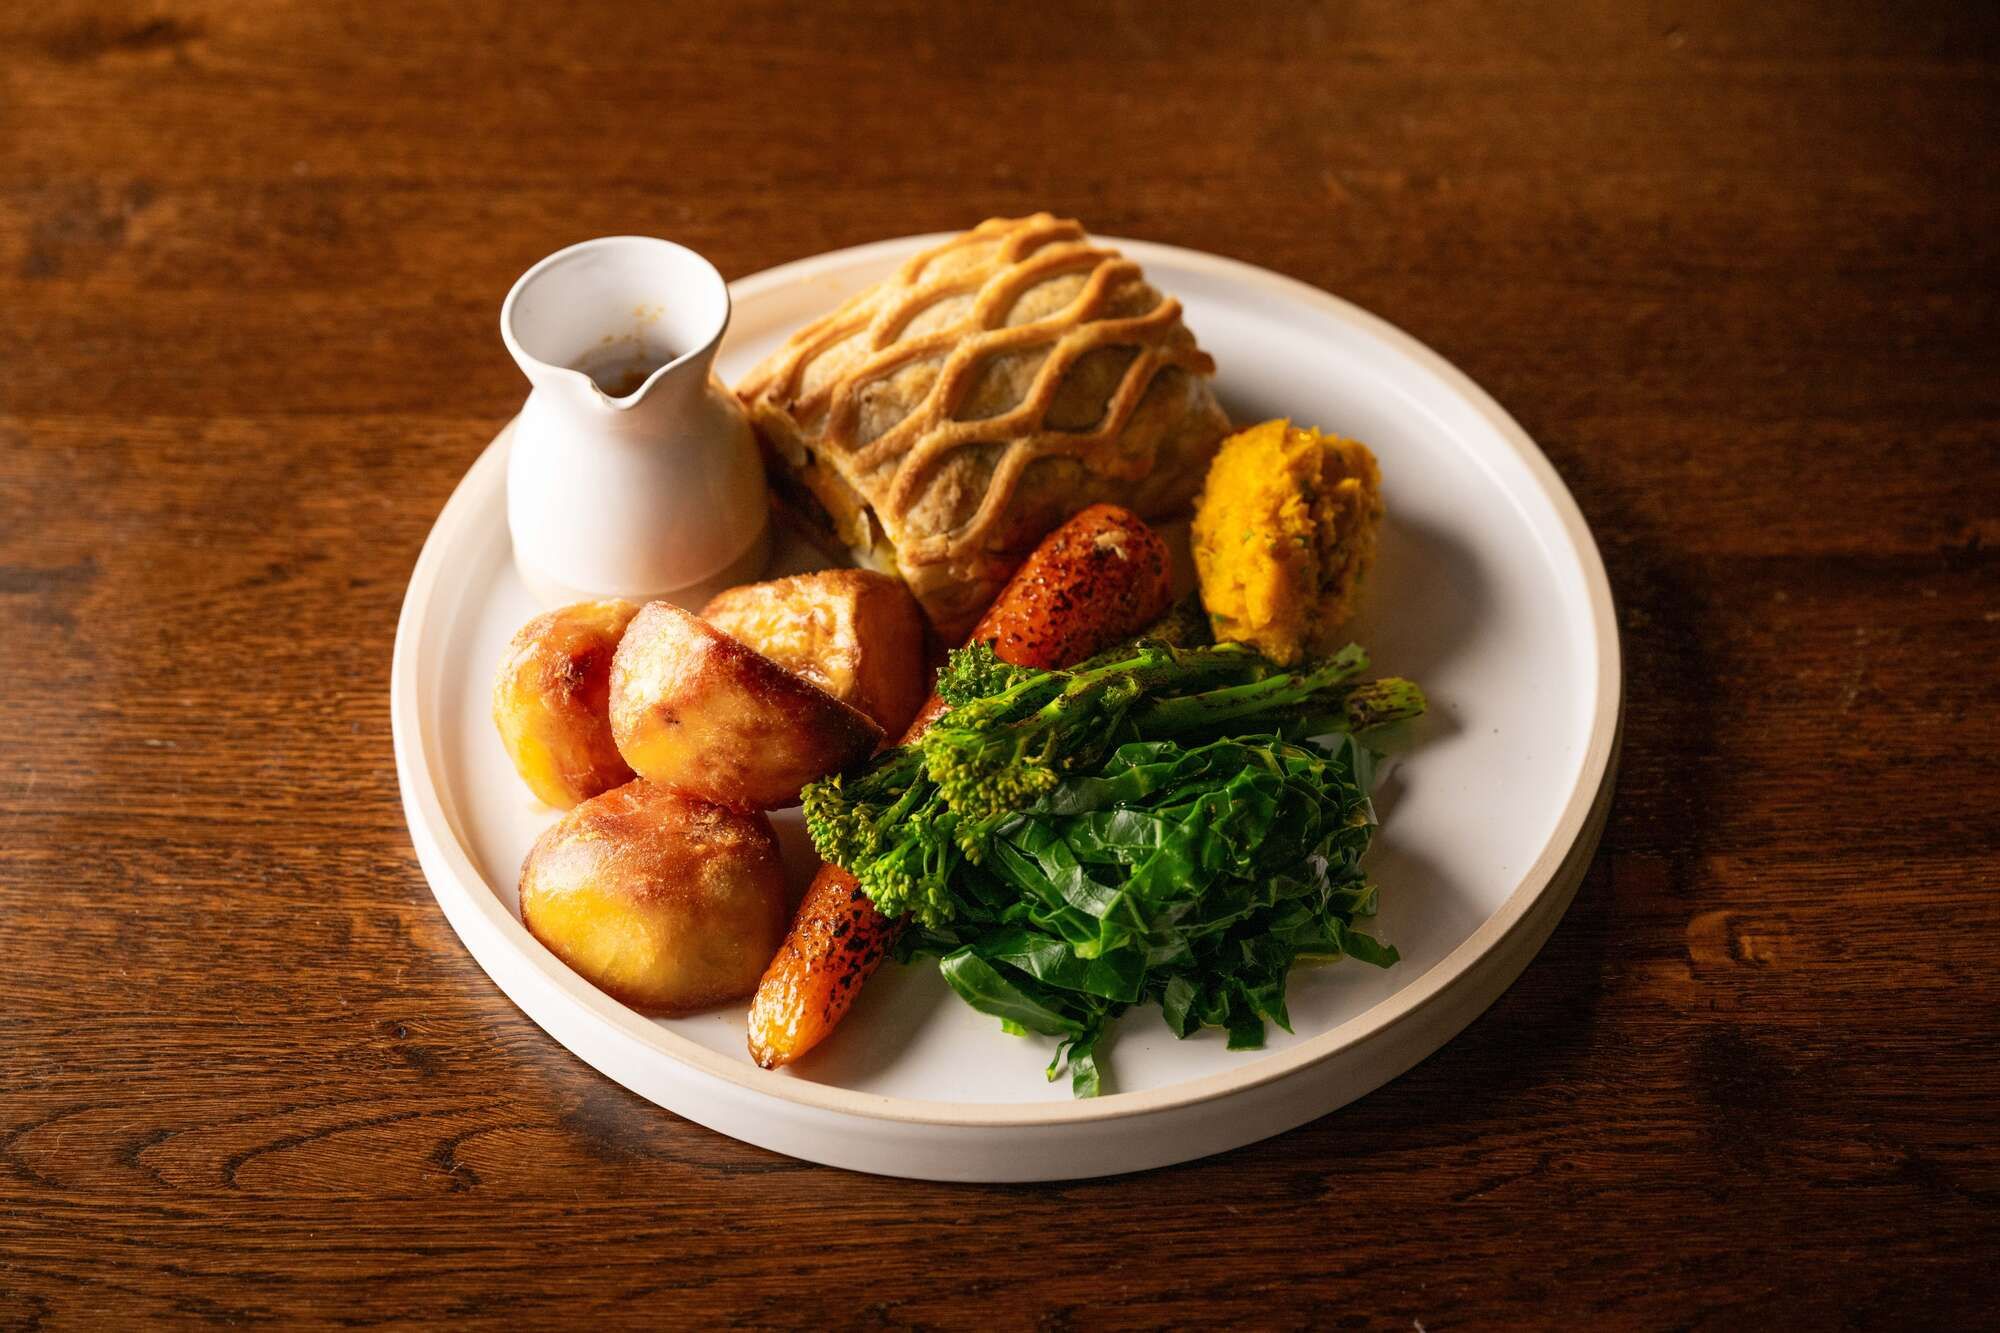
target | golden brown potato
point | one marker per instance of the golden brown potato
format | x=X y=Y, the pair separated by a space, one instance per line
x=551 y=702
x=855 y=633
x=665 y=903
x=695 y=710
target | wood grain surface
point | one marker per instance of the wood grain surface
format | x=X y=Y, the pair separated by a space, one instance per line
x=1734 y=266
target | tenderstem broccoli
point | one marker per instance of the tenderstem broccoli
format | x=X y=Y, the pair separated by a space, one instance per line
x=1163 y=823
x=1014 y=733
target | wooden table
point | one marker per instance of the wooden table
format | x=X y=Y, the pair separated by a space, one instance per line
x=1733 y=266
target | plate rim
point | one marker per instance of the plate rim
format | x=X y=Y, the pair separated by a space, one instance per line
x=426 y=814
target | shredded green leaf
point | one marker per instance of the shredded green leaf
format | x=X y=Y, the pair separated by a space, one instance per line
x=1166 y=824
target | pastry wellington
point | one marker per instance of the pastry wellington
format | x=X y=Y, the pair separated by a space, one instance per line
x=942 y=422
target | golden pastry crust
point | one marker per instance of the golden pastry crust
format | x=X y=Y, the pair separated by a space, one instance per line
x=951 y=416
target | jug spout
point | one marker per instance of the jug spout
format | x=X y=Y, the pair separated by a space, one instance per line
x=617 y=322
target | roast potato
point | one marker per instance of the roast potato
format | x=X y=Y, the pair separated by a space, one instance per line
x=663 y=902
x=693 y=709
x=855 y=633
x=551 y=702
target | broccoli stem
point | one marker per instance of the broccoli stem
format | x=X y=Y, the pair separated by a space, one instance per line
x=1187 y=712
x=1052 y=701
x=1380 y=702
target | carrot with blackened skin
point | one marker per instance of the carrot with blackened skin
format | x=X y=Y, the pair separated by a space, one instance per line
x=1101 y=577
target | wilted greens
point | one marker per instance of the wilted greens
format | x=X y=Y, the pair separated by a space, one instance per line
x=1177 y=825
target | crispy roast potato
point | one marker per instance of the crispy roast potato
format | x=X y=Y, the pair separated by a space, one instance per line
x=663 y=902
x=693 y=709
x=551 y=702
x=855 y=633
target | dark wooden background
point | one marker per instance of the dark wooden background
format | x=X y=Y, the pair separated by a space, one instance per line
x=1734 y=266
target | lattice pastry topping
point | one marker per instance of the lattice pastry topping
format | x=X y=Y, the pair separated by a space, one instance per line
x=943 y=421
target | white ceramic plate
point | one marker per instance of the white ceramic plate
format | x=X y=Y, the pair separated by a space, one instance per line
x=1488 y=590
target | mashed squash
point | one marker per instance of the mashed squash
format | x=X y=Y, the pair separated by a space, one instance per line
x=1283 y=532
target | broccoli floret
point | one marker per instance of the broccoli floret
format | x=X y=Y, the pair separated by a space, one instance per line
x=849 y=816
x=990 y=764
x=983 y=774
x=888 y=827
x=976 y=672
x=912 y=871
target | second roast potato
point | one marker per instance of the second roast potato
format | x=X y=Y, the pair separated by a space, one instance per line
x=855 y=633
x=694 y=710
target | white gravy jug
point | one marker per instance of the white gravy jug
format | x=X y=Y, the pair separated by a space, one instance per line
x=632 y=471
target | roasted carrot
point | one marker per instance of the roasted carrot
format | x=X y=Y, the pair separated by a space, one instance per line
x=1099 y=578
